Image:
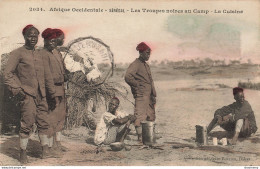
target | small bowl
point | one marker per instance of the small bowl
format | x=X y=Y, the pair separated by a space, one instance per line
x=117 y=146
x=128 y=148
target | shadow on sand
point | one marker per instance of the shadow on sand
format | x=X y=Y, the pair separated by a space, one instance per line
x=221 y=134
x=11 y=148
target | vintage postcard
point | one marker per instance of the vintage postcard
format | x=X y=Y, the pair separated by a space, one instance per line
x=130 y=83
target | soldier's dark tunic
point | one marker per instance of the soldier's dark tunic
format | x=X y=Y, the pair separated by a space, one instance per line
x=27 y=71
x=57 y=69
x=244 y=112
x=139 y=77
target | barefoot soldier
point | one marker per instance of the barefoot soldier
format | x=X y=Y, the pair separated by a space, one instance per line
x=237 y=117
x=138 y=77
x=27 y=77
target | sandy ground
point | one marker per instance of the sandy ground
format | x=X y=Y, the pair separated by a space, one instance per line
x=182 y=104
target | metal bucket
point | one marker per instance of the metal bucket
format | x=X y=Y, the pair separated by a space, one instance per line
x=148 y=134
x=201 y=135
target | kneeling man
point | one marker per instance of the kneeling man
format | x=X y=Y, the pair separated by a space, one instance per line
x=237 y=117
x=113 y=125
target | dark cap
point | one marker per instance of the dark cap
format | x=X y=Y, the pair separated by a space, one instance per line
x=58 y=32
x=49 y=34
x=237 y=90
x=27 y=28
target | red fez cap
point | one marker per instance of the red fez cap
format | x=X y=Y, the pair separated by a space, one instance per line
x=49 y=34
x=58 y=32
x=142 y=47
x=27 y=28
x=237 y=90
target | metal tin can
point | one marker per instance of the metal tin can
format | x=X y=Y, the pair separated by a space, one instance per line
x=148 y=134
x=201 y=135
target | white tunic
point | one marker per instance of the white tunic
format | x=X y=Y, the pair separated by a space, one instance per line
x=104 y=124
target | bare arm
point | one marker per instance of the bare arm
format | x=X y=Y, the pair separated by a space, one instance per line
x=120 y=120
x=130 y=118
x=223 y=111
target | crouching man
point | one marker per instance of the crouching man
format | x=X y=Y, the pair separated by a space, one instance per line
x=237 y=117
x=113 y=125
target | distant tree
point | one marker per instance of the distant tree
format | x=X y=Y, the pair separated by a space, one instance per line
x=193 y=63
x=177 y=64
x=170 y=63
x=154 y=62
x=201 y=63
x=219 y=62
x=208 y=61
x=162 y=63
x=235 y=62
x=249 y=61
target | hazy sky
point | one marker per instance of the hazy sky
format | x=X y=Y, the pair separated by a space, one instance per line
x=171 y=36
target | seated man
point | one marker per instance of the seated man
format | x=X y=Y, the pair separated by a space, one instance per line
x=113 y=125
x=237 y=117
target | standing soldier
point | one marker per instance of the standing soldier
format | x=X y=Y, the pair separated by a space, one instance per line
x=54 y=59
x=138 y=77
x=62 y=113
x=27 y=75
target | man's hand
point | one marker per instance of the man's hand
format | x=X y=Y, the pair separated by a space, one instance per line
x=18 y=93
x=132 y=118
x=227 y=118
x=53 y=103
x=66 y=75
x=57 y=101
x=19 y=98
x=153 y=99
x=220 y=120
x=128 y=123
x=21 y=95
x=253 y=129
